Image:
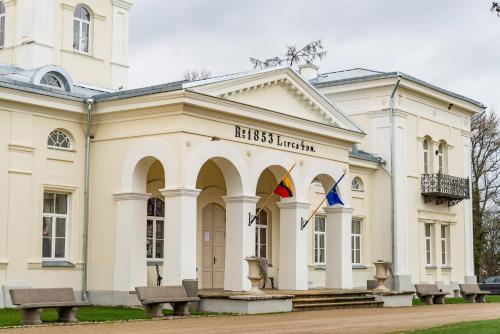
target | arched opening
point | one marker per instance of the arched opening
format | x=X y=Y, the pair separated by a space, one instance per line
x=267 y=223
x=216 y=179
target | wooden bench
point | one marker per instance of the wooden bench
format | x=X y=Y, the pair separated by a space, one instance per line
x=153 y=298
x=31 y=302
x=430 y=293
x=472 y=293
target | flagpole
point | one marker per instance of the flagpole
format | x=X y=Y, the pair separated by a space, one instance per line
x=271 y=195
x=321 y=203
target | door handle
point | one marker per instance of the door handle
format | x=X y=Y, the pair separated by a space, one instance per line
x=214 y=259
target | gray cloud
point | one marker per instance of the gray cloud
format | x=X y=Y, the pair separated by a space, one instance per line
x=451 y=43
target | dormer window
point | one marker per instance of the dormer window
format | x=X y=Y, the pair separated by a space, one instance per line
x=81 y=29
x=2 y=24
x=51 y=80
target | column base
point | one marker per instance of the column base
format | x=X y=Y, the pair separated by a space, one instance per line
x=402 y=283
x=470 y=279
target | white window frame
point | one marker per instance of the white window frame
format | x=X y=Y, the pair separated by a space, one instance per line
x=81 y=22
x=54 y=216
x=444 y=245
x=428 y=243
x=440 y=158
x=357 y=240
x=2 y=24
x=154 y=238
x=425 y=147
x=68 y=138
x=258 y=228
x=318 y=235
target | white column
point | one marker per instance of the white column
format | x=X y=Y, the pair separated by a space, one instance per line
x=180 y=235
x=338 y=247
x=293 y=270
x=130 y=247
x=240 y=241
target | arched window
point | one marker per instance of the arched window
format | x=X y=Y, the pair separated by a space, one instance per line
x=2 y=24
x=261 y=235
x=81 y=29
x=426 y=155
x=52 y=80
x=58 y=139
x=155 y=224
x=357 y=184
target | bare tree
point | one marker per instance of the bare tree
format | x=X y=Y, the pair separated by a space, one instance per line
x=308 y=54
x=495 y=8
x=490 y=253
x=485 y=185
x=193 y=75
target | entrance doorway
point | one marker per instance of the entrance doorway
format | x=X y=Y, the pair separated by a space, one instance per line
x=213 y=240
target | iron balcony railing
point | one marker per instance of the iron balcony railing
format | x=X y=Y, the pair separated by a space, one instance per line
x=444 y=188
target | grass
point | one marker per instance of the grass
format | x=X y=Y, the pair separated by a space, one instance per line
x=459 y=300
x=12 y=317
x=473 y=327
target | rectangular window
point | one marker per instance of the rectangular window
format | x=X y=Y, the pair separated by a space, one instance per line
x=444 y=245
x=55 y=219
x=428 y=244
x=426 y=162
x=356 y=241
x=319 y=240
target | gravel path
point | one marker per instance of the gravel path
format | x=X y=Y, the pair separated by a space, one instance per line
x=328 y=321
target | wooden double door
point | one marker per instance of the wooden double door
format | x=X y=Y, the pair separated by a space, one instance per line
x=213 y=250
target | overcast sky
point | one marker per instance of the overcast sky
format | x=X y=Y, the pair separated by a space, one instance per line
x=454 y=44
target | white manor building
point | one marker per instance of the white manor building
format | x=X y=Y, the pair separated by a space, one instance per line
x=175 y=170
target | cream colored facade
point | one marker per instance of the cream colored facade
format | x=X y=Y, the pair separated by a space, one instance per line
x=213 y=151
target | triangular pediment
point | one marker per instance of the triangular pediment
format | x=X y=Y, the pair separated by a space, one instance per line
x=280 y=90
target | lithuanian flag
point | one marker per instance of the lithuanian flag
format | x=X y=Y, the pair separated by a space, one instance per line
x=284 y=189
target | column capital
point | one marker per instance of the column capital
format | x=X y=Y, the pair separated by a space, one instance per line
x=127 y=196
x=293 y=205
x=178 y=192
x=338 y=209
x=241 y=199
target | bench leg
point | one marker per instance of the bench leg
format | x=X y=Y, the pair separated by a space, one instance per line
x=31 y=316
x=181 y=309
x=67 y=314
x=438 y=299
x=154 y=310
x=426 y=299
x=481 y=299
x=469 y=298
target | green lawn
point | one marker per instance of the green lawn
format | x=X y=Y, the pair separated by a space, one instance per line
x=12 y=317
x=489 y=299
x=474 y=327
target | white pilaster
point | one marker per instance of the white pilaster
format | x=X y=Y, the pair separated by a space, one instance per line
x=338 y=247
x=293 y=271
x=180 y=235
x=467 y=205
x=130 y=247
x=240 y=241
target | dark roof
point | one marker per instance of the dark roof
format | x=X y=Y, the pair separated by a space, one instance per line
x=171 y=86
x=361 y=74
x=356 y=153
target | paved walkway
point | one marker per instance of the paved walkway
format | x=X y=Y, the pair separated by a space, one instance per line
x=328 y=321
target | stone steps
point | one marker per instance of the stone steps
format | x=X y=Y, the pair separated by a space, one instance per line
x=332 y=300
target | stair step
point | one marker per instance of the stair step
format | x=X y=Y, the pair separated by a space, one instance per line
x=319 y=306
x=330 y=295
x=333 y=299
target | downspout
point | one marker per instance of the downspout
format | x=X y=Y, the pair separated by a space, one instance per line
x=86 y=205
x=393 y=207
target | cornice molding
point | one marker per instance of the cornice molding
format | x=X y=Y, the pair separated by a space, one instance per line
x=293 y=205
x=125 y=4
x=338 y=209
x=241 y=199
x=180 y=192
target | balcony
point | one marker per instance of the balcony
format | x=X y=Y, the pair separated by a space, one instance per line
x=444 y=188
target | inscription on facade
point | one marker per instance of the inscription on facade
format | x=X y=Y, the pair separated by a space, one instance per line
x=271 y=138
